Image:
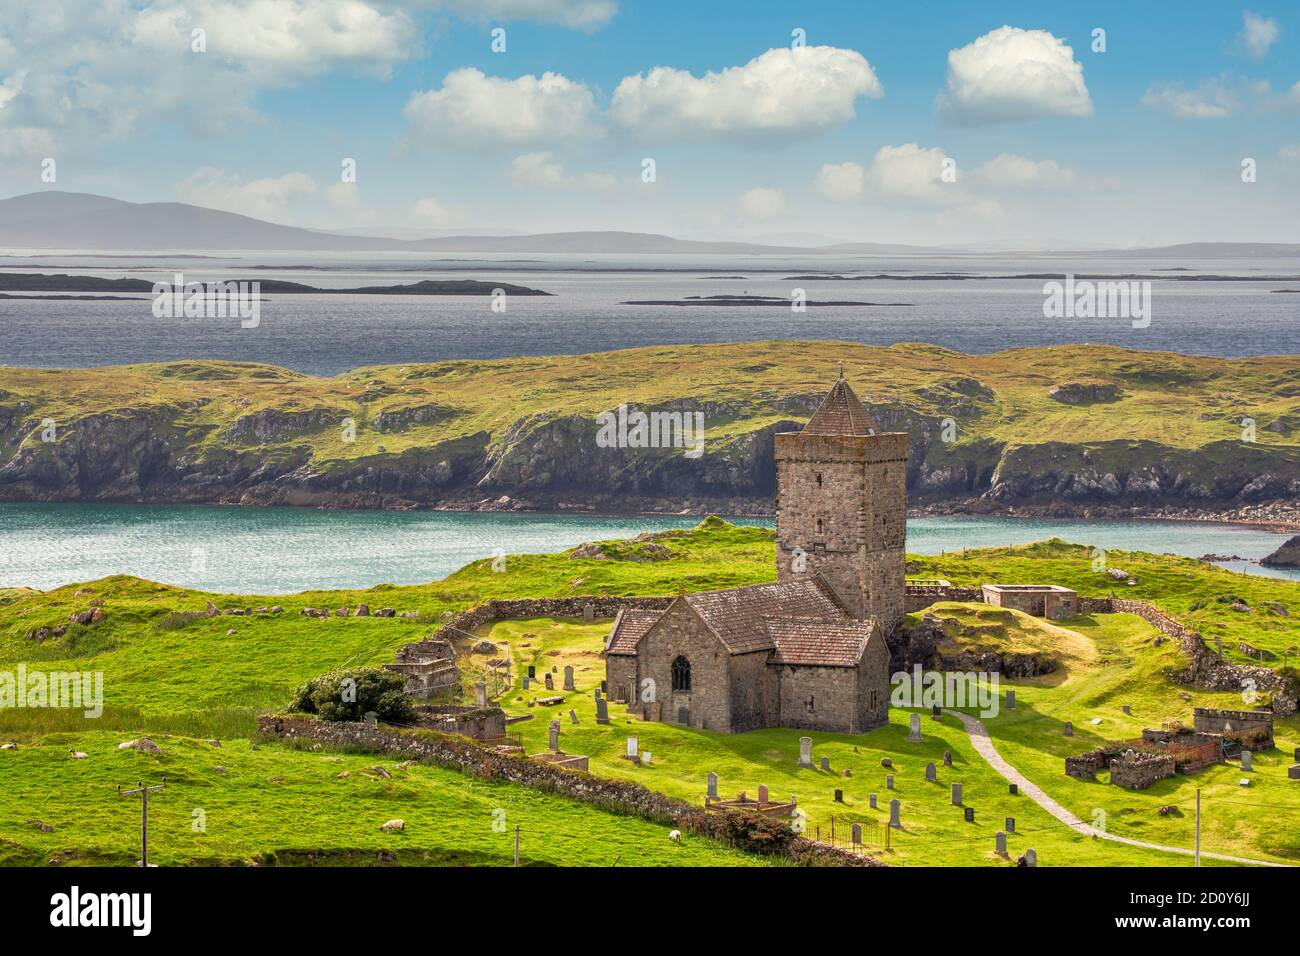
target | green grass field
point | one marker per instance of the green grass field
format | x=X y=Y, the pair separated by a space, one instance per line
x=189 y=683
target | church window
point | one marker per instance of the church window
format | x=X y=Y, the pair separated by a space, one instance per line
x=812 y=704
x=682 y=674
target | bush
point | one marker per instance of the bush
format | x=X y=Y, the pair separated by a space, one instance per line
x=349 y=694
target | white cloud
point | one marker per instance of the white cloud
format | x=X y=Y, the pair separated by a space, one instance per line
x=1012 y=74
x=268 y=198
x=911 y=172
x=840 y=182
x=475 y=110
x=1008 y=171
x=588 y=15
x=761 y=203
x=779 y=93
x=1214 y=98
x=430 y=212
x=539 y=170
x=1258 y=34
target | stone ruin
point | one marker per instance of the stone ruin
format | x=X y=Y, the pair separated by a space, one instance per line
x=429 y=667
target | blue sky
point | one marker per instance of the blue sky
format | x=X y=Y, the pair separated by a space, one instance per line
x=871 y=131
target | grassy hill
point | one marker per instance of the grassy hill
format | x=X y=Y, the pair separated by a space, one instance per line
x=1141 y=428
x=185 y=679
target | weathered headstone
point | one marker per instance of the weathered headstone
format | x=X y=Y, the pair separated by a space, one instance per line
x=1293 y=772
x=550 y=683
x=602 y=711
x=889 y=782
x=1031 y=858
x=568 y=677
x=1068 y=729
x=871 y=801
x=826 y=763
x=857 y=834
x=645 y=758
x=936 y=710
x=480 y=694
x=805 y=752
x=970 y=814
x=588 y=613
x=555 y=735
x=1014 y=789
x=1128 y=709
x=762 y=795
x=914 y=727
x=1011 y=700
x=597 y=693
x=1011 y=824
x=371 y=718
x=947 y=758
x=573 y=716
x=631 y=748
x=895 y=815
x=886 y=762
x=931 y=774
x=712 y=790
x=1297 y=755
x=527 y=680
x=1246 y=760
x=956 y=795
x=532 y=672
x=1000 y=843
x=839 y=796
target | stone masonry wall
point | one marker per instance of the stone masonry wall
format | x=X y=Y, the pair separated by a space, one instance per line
x=463 y=755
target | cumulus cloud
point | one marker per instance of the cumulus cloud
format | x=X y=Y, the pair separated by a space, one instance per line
x=779 y=93
x=911 y=172
x=761 y=203
x=1011 y=74
x=1011 y=172
x=1258 y=34
x=587 y=15
x=840 y=182
x=476 y=110
x=541 y=171
x=268 y=198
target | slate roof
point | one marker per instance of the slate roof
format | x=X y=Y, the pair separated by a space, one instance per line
x=819 y=642
x=738 y=616
x=840 y=413
x=629 y=627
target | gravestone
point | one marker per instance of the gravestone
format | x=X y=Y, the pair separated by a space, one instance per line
x=550 y=684
x=568 y=677
x=1011 y=700
x=1293 y=772
x=947 y=758
x=762 y=795
x=826 y=763
x=1246 y=760
x=1011 y=824
x=1031 y=858
x=645 y=758
x=1068 y=729
x=970 y=814
x=604 y=687
x=857 y=834
x=527 y=680
x=936 y=711
x=588 y=613
x=532 y=672
x=931 y=774
x=597 y=693
x=480 y=695
x=889 y=782
x=573 y=716
x=1128 y=709
x=839 y=796
x=371 y=718
x=914 y=727
x=631 y=748
x=871 y=801
x=712 y=790
x=956 y=795
x=805 y=752
x=895 y=816
x=1014 y=789
x=555 y=735
x=1297 y=755
x=886 y=762
x=1000 y=843
x=602 y=710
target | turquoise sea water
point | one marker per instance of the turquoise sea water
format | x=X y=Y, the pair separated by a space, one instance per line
x=282 y=550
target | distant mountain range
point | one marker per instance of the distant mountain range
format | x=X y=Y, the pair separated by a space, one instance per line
x=83 y=221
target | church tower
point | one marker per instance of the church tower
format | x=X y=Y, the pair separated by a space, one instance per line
x=841 y=506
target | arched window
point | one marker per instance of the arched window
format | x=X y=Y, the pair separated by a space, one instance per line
x=682 y=674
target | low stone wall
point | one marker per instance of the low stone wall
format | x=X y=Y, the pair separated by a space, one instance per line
x=919 y=597
x=497 y=609
x=1137 y=771
x=457 y=753
x=1086 y=766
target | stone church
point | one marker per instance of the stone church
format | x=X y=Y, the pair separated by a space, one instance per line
x=808 y=651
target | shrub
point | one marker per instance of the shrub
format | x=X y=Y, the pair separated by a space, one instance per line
x=349 y=694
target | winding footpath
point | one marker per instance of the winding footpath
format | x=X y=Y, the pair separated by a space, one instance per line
x=979 y=738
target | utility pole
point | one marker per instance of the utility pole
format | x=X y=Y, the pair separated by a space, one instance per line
x=1198 y=826
x=143 y=793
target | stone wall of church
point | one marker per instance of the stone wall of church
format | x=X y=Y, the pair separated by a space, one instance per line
x=620 y=674
x=755 y=700
x=873 y=685
x=819 y=698
x=680 y=632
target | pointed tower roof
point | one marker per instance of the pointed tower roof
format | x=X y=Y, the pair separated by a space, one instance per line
x=840 y=413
